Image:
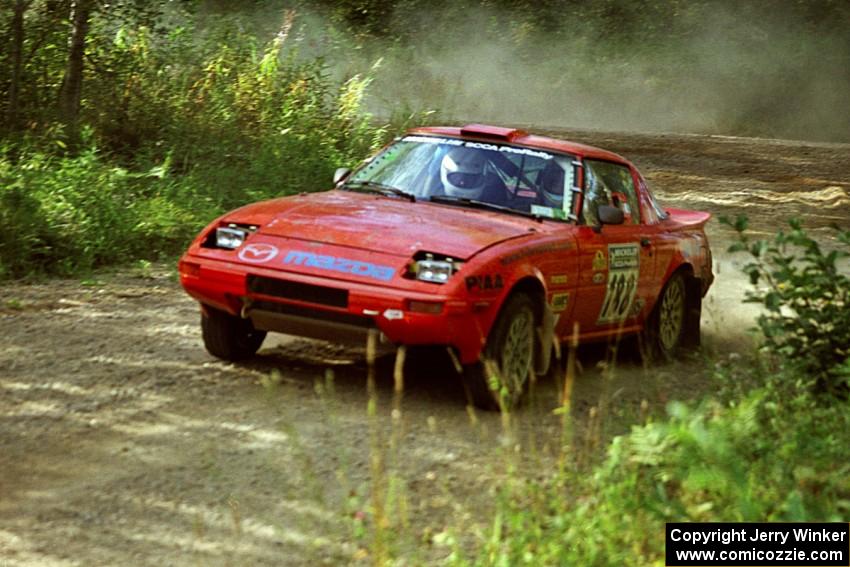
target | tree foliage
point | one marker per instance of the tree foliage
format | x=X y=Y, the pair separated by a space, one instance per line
x=239 y=101
x=222 y=116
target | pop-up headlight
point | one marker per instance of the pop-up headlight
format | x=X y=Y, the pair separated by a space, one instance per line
x=434 y=271
x=230 y=237
x=429 y=269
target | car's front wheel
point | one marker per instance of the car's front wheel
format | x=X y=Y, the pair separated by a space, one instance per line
x=499 y=380
x=229 y=337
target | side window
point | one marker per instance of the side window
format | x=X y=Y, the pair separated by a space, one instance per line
x=607 y=183
x=652 y=209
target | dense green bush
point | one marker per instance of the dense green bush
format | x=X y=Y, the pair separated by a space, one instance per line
x=242 y=109
x=179 y=126
x=806 y=322
x=61 y=215
x=761 y=458
x=748 y=461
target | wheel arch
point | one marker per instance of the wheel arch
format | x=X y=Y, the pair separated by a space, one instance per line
x=684 y=266
x=532 y=287
x=544 y=319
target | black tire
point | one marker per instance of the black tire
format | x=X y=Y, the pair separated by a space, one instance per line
x=667 y=326
x=499 y=380
x=229 y=337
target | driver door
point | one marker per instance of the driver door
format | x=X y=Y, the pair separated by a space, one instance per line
x=616 y=262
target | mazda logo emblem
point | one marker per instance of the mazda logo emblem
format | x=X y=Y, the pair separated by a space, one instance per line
x=258 y=253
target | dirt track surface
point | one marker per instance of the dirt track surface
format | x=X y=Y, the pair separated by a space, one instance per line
x=123 y=443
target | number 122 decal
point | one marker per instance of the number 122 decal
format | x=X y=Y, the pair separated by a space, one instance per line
x=623 y=273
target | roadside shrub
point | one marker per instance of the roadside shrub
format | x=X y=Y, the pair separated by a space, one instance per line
x=234 y=111
x=806 y=322
x=25 y=237
x=65 y=214
x=757 y=459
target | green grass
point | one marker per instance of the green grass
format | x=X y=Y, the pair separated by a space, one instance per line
x=766 y=455
x=69 y=215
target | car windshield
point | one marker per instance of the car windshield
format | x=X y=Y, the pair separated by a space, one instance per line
x=468 y=173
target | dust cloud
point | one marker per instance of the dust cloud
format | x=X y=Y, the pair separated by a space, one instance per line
x=727 y=74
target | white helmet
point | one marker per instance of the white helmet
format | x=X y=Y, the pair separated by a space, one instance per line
x=462 y=173
x=551 y=182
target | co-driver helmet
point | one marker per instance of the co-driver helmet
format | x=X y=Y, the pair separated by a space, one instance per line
x=551 y=183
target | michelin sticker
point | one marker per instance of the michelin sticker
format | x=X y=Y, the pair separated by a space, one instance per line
x=623 y=273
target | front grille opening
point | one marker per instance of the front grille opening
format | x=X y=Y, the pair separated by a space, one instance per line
x=316 y=314
x=321 y=295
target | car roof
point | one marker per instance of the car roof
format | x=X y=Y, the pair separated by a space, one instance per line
x=488 y=133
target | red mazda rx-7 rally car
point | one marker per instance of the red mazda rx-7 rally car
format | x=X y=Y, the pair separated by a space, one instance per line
x=490 y=241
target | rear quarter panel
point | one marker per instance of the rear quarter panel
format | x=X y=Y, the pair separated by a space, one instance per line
x=682 y=242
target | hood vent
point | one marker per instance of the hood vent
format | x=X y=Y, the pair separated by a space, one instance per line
x=492 y=132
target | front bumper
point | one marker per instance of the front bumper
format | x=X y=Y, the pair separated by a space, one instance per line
x=340 y=311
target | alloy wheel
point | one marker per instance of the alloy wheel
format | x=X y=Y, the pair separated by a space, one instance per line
x=672 y=314
x=517 y=352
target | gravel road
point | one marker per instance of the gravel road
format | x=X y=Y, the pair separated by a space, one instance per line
x=122 y=442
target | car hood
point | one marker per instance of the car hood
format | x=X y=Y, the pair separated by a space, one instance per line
x=386 y=224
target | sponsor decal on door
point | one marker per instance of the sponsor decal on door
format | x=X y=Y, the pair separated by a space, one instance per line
x=623 y=273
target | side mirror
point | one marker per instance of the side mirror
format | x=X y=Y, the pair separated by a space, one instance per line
x=610 y=215
x=341 y=174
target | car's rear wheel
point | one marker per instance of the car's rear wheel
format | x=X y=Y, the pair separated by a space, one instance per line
x=229 y=337
x=667 y=325
x=499 y=380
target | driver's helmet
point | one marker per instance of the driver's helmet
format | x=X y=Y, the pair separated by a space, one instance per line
x=462 y=173
x=551 y=183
